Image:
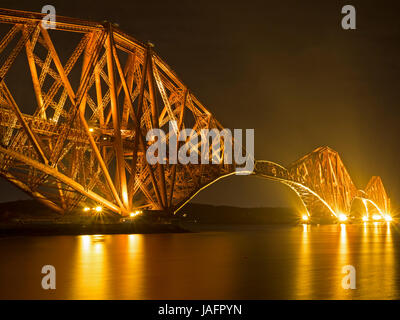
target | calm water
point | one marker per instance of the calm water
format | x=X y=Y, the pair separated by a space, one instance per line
x=268 y=262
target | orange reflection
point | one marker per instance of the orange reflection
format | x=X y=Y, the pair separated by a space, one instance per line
x=389 y=263
x=364 y=258
x=343 y=260
x=304 y=272
x=91 y=271
x=132 y=286
x=377 y=262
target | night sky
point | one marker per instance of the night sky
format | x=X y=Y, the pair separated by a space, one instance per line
x=285 y=68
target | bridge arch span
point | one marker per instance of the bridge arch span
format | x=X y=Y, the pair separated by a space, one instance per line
x=313 y=203
x=272 y=171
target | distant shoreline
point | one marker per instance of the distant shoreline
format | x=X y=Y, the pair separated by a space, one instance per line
x=87 y=229
x=29 y=217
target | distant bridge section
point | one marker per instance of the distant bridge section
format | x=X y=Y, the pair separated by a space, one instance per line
x=323 y=184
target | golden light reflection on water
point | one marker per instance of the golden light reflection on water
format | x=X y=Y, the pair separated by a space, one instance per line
x=96 y=275
x=90 y=268
x=389 y=263
x=133 y=267
x=363 y=267
x=343 y=247
x=374 y=261
x=279 y=262
x=283 y=262
x=377 y=244
x=304 y=269
x=342 y=260
x=369 y=248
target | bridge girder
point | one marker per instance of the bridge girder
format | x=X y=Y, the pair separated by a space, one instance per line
x=324 y=172
x=323 y=184
x=376 y=192
x=84 y=138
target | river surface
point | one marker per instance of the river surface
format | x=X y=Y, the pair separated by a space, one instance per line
x=240 y=262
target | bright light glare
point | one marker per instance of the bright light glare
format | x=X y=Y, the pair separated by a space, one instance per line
x=376 y=217
x=91 y=129
x=86 y=209
x=305 y=217
x=365 y=218
x=98 y=209
x=342 y=217
x=388 y=218
x=134 y=214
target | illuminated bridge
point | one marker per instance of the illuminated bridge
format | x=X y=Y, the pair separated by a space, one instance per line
x=76 y=103
x=325 y=187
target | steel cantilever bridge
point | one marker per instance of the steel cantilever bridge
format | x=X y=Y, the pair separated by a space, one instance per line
x=95 y=92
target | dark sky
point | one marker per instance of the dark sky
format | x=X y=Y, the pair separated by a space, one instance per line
x=285 y=68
